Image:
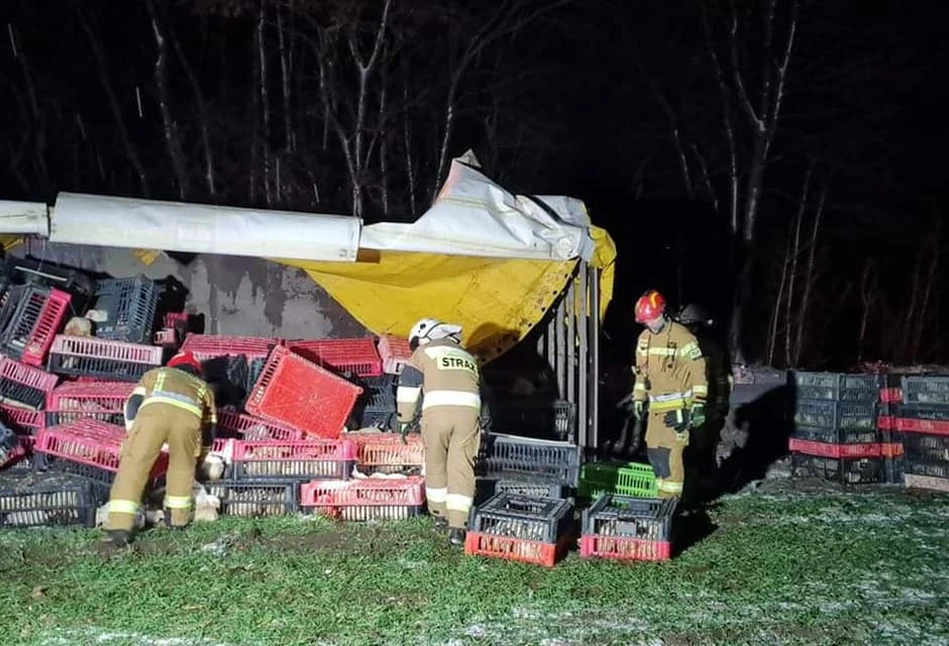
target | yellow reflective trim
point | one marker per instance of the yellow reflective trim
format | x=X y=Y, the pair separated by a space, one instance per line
x=639 y=386
x=139 y=390
x=699 y=390
x=662 y=352
x=669 y=486
x=178 y=502
x=123 y=507
x=458 y=502
x=661 y=406
x=174 y=402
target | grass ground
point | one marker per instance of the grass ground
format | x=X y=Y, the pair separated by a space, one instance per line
x=784 y=565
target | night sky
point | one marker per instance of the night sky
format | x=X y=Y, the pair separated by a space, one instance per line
x=568 y=98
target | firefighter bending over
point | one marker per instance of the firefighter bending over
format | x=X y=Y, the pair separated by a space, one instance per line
x=172 y=405
x=670 y=378
x=451 y=410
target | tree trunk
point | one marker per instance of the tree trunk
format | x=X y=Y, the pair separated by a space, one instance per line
x=170 y=127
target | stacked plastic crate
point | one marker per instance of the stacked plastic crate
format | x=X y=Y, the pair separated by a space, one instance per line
x=836 y=435
x=526 y=515
x=924 y=423
x=288 y=432
x=30 y=316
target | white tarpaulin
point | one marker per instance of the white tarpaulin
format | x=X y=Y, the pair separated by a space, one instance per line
x=197 y=228
x=473 y=216
x=24 y=218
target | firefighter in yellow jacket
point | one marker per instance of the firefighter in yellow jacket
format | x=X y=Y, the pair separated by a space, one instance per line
x=170 y=406
x=670 y=387
x=447 y=378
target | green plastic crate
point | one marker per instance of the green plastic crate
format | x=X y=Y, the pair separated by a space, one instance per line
x=623 y=478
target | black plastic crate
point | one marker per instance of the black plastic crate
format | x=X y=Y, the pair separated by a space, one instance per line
x=376 y=405
x=838 y=386
x=532 y=488
x=648 y=519
x=52 y=499
x=510 y=456
x=894 y=469
x=534 y=416
x=836 y=435
x=18 y=316
x=832 y=414
x=256 y=498
x=921 y=466
x=926 y=389
x=130 y=306
x=41 y=272
x=920 y=446
x=544 y=520
x=839 y=470
x=931 y=412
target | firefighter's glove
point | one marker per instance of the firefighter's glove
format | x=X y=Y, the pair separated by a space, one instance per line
x=639 y=408
x=697 y=415
x=404 y=431
x=676 y=420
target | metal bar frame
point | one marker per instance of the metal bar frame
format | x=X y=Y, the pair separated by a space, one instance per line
x=570 y=343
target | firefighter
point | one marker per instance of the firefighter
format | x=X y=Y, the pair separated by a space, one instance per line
x=170 y=406
x=705 y=440
x=450 y=378
x=670 y=380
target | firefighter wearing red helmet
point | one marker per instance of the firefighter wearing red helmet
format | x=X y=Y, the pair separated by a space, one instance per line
x=172 y=406
x=670 y=388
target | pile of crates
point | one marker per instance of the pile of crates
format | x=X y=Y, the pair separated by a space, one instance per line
x=842 y=428
x=529 y=491
x=922 y=423
x=284 y=406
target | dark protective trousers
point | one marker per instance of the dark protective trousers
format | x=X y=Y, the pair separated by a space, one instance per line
x=665 y=455
x=451 y=436
x=155 y=425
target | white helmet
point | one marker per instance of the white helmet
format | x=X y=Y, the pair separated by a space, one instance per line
x=429 y=329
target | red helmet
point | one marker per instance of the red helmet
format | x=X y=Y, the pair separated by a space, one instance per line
x=185 y=359
x=650 y=306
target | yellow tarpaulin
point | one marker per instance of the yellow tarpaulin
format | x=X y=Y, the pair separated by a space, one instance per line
x=497 y=301
x=10 y=242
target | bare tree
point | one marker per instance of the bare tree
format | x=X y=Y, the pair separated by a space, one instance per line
x=172 y=136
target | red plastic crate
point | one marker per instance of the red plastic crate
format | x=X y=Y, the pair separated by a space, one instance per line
x=108 y=360
x=385 y=452
x=90 y=442
x=365 y=499
x=927 y=426
x=299 y=393
x=209 y=346
x=21 y=420
x=25 y=384
x=516 y=549
x=891 y=395
x=357 y=356
x=395 y=352
x=622 y=548
x=827 y=450
x=248 y=427
x=164 y=337
x=102 y=400
x=292 y=460
x=46 y=327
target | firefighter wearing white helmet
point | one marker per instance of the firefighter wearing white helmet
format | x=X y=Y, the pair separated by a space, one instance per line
x=450 y=378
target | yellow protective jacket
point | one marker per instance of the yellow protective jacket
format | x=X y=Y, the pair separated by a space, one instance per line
x=446 y=372
x=179 y=389
x=670 y=370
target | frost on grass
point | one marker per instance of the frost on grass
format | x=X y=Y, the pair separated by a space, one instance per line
x=111 y=638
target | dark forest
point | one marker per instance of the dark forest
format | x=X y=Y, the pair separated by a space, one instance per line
x=776 y=160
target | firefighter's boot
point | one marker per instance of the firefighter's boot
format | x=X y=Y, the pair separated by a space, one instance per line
x=116 y=540
x=441 y=522
x=456 y=536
